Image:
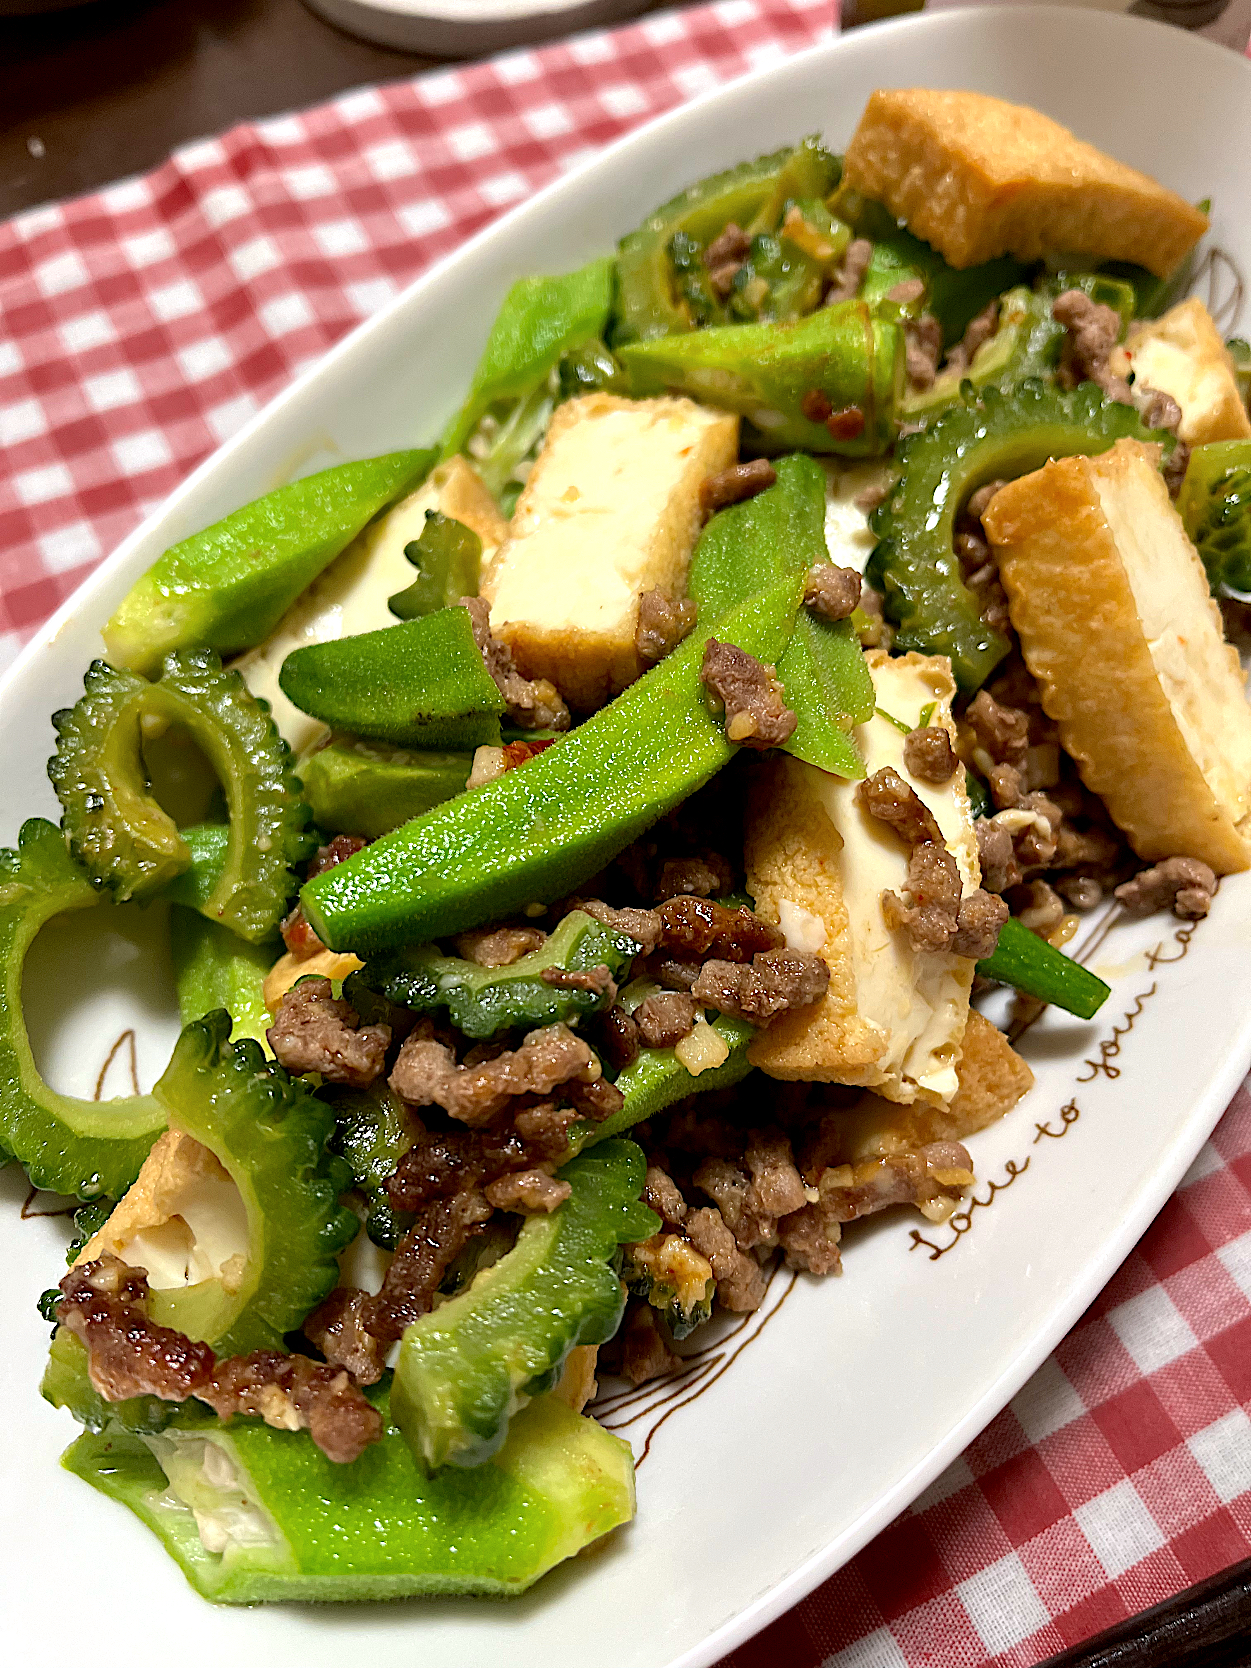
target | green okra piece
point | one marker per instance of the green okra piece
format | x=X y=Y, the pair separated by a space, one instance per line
x=88 y=1148
x=654 y=292
x=1002 y=436
x=227 y=587
x=656 y=1078
x=447 y=556
x=541 y=319
x=1215 y=506
x=125 y=839
x=465 y=1367
x=534 y=835
x=1028 y=963
x=755 y=543
x=483 y=1001
x=298 y=1527
x=844 y=358
x=360 y=787
x=421 y=683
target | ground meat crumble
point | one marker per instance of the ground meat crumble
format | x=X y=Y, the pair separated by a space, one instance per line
x=316 y=1031
x=756 y=713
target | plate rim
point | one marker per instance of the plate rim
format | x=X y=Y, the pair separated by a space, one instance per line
x=1206 y=1111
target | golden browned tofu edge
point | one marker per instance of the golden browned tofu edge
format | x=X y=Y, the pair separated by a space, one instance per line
x=791 y=850
x=978 y=177
x=1074 y=612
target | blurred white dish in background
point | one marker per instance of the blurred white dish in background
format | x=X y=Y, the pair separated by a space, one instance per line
x=467 y=28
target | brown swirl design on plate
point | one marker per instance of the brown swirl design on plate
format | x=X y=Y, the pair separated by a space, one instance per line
x=654 y=1402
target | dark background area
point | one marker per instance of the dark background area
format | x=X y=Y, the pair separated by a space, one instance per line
x=110 y=89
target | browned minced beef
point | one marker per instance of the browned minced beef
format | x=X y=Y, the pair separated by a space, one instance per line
x=776 y=981
x=297 y=935
x=314 y=1030
x=442 y=1230
x=528 y=1192
x=923 y=346
x=810 y=1238
x=1002 y=731
x=663 y=1195
x=979 y=330
x=338 y=1329
x=701 y=875
x=850 y=272
x=724 y=256
x=105 y=1306
x=662 y=624
x=831 y=591
x=532 y=704
x=1092 y=332
x=291 y=1392
x=664 y=1018
x=740 y=1279
x=1157 y=409
x=1182 y=884
x=756 y=713
x=426 y=1072
x=752 y=1198
x=996 y=856
x=642 y=925
x=934 y=885
x=886 y=796
x=670 y=973
x=928 y=753
x=978 y=923
x=616 y=1036
x=906 y=292
x=1081 y=891
x=499 y=946
x=693 y=928
x=598 y=981
x=979 y=501
x=733 y=485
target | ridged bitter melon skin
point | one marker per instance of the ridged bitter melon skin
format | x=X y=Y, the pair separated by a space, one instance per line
x=469 y=1365
x=271 y=1134
x=119 y=833
x=914 y=564
x=92 y=1149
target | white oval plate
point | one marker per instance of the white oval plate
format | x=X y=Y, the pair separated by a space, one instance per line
x=860 y=1390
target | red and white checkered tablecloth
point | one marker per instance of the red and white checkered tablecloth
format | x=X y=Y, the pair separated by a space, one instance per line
x=141 y=326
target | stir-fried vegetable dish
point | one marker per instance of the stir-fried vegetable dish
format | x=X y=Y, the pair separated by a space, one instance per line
x=594 y=830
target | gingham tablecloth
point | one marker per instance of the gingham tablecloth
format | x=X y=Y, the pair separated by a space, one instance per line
x=141 y=326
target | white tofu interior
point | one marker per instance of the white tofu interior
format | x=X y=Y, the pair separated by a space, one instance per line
x=1196 y=671
x=587 y=542
x=918 y=1001
x=205 y=1238
x=847 y=533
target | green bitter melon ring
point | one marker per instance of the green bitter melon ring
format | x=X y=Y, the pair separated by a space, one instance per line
x=1002 y=436
x=115 y=827
x=89 y=1148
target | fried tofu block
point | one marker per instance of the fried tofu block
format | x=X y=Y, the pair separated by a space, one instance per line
x=992 y=1078
x=1116 y=622
x=611 y=509
x=893 y=1018
x=1182 y=354
x=183 y=1219
x=351 y=596
x=977 y=177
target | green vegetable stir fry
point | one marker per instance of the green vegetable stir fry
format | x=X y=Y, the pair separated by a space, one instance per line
x=584 y=841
